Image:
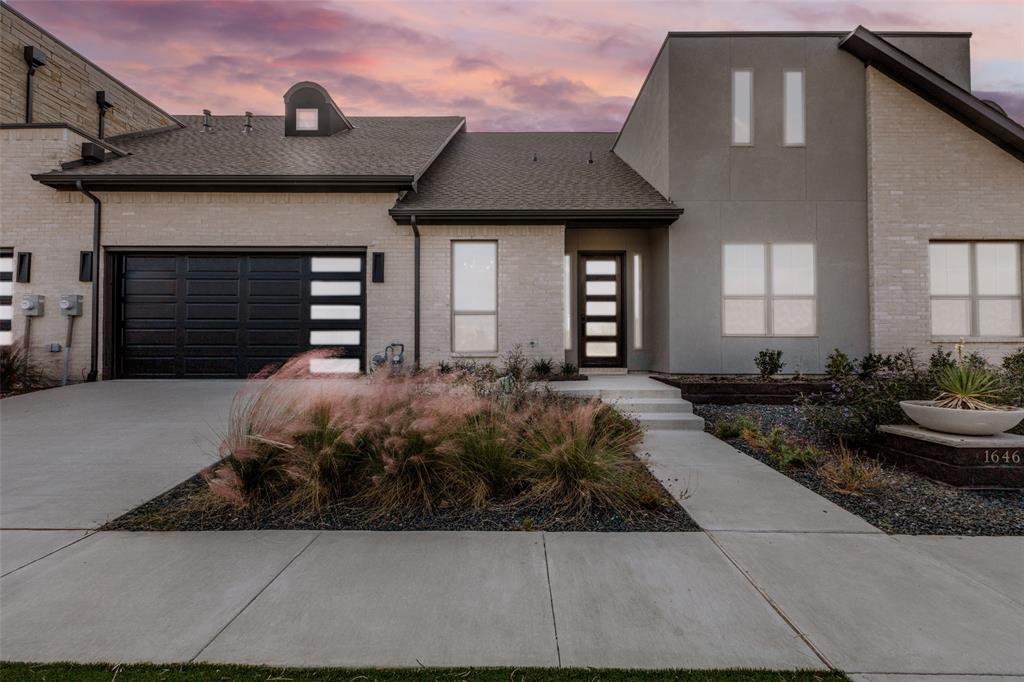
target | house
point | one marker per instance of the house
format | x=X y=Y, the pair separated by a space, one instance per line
x=799 y=191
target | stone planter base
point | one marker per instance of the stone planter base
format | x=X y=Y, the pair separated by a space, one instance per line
x=738 y=392
x=975 y=462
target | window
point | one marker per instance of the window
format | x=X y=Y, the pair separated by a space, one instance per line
x=743 y=107
x=768 y=290
x=307 y=119
x=567 y=301
x=975 y=288
x=793 y=108
x=638 y=303
x=475 y=297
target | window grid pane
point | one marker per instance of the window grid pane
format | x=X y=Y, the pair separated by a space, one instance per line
x=567 y=301
x=744 y=269
x=638 y=302
x=976 y=289
x=793 y=98
x=742 y=106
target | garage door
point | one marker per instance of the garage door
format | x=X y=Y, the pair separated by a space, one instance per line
x=231 y=315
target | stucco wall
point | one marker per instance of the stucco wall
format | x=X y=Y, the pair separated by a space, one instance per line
x=765 y=192
x=642 y=142
x=529 y=288
x=65 y=88
x=930 y=177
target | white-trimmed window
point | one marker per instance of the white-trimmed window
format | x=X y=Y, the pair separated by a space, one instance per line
x=769 y=290
x=475 y=297
x=743 y=106
x=793 y=108
x=975 y=288
x=638 y=302
x=307 y=119
x=567 y=301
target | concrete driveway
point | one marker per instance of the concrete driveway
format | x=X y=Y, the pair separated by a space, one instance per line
x=76 y=457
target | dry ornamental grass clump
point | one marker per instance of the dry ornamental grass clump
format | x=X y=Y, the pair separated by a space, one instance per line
x=390 y=443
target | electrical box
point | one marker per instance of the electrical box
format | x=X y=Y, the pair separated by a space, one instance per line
x=70 y=305
x=32 y=305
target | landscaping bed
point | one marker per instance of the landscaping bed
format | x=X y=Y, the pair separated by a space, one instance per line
x=901 y=502
x=452 y=450
x=201 y=672
x=742 y=389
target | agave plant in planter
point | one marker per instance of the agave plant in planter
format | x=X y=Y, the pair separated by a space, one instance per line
x=967 y=403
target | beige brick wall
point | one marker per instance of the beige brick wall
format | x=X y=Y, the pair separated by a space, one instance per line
x=56 y=226
x=529 y=288
x=64 y=89
x=929 y=177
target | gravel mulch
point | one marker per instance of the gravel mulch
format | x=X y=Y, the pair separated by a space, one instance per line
x=906 y=504
x=180 y=509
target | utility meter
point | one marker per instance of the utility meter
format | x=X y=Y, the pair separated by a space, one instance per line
x=32 y=305
x=71 y=305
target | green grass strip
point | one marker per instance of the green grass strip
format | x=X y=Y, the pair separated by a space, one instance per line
x=199 y=672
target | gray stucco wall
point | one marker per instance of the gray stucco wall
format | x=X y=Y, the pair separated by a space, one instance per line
x=763 y=193
x=641 y=143
x=950 y=54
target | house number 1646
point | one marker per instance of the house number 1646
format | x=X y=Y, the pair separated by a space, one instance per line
x=1003 y=457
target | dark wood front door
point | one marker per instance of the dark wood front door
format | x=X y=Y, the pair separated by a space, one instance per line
x=601 y=309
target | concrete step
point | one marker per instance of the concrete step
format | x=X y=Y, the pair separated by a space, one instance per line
x=613 y=394
x=671 y=421
x=654 y=405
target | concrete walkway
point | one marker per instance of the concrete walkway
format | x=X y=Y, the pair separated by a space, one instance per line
x=780 y=578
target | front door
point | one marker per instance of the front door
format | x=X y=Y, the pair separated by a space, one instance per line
x=601 y=332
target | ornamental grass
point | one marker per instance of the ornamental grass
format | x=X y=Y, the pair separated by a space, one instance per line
x=388 y=444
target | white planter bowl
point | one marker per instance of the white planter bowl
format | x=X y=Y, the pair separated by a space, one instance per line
x=961 y=422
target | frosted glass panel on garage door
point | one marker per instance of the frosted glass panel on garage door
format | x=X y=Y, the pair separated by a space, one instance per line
x=336 y=264
x=340 y=288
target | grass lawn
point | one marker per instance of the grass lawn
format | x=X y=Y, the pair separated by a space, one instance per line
x=52 y=672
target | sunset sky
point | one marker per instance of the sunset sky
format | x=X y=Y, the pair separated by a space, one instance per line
x=563 y=65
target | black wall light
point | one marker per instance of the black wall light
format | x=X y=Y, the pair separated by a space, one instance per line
x=378 y=266
x=103 y=103
x=85 y=266
x=35 y=58
x=24 y=273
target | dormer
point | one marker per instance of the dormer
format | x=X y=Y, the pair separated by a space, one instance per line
x=309 y=111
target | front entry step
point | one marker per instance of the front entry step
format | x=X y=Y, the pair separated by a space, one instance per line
x=670 y=421
x=645 y=405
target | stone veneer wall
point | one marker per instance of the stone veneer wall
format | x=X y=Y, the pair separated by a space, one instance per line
x=929 y=177
x=529 y=288
x=65 y=89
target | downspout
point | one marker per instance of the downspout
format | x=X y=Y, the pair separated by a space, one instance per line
x=97 y=215
x=416 y=294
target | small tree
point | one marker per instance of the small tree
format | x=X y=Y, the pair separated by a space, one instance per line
x=769 y=362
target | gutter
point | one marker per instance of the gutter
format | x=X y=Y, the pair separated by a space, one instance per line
x=229 y=183
x=416 y=293
x=568 y=217
x=97 y=216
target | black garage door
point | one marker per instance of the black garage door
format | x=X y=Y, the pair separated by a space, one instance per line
x=231 y=315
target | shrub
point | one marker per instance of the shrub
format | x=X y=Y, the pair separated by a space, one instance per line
x=728 y=429
x=514 y=363
x=847 y=473
x=968 y=387
x=542 y=368
x=838 y=365
x=18 y=374
x=769 y=362
x=871 y=364
x=1013 y=379
x=568 y=369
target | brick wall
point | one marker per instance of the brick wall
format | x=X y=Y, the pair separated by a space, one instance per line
x=529 y=288
x=929 y=177
x=64 y=89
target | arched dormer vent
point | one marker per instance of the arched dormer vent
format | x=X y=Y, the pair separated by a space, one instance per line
x=309 y=111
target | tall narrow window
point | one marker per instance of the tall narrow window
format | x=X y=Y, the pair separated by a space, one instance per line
x=975 y=288
x=475 y=297
x=768 y=290
x=743 y=107
x=793 y=107
x=638 y=302
x=567 y=301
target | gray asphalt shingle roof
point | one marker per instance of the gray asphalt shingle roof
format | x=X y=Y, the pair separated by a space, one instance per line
x=378 y=145
x=497 y=171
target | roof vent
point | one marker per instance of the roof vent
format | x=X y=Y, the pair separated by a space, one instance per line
x=92 y=153
x=247 y=128
x=590 y=157
x=535 y=157
x=309 y=111
x=207 y=121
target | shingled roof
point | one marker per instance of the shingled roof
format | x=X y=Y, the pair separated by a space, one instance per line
x=533 y=177
x=379 y=152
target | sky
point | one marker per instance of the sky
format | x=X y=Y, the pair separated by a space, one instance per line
x=556 y=65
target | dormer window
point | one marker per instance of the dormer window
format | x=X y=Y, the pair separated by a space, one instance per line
x=307 y=119
x=309 y=111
